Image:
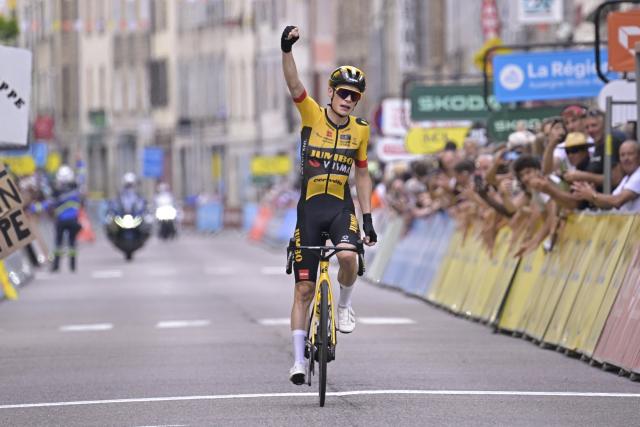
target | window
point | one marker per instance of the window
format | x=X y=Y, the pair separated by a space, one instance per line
x=89 y=86
x=158 y=92
x=159 y=15
x=102 y=88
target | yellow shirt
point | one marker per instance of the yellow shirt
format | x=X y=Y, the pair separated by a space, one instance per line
x=329 y=151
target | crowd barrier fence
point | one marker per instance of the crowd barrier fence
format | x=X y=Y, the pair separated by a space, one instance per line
x=581 y=297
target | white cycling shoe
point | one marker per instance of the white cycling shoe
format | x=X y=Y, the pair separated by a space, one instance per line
x=346 y=319
x=298 y=372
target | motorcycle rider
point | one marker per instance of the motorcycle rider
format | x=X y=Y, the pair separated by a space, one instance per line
x=165 y=209
x=129 y=201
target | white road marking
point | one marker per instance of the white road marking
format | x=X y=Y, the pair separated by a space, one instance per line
x=219 y=271
x=168 y=425
x=273 y=270
x=384 y=320
x=337 y=394
x=172 y=324
x=106 y=274
x=274 y=322
x=162 y=272
x=87 y=328
x=363 y=320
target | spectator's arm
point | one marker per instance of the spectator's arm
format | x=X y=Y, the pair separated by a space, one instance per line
x=564 y=198
x=547 y=158
x=606 y=201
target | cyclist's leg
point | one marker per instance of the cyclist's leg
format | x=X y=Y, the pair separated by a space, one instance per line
x=344 y=233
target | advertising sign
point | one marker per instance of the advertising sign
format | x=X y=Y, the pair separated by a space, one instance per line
x=13 y=222
x=540 y=11
x=453 y=102
x=546 y=75
x=15 y=95
x=393 y=116
x=623 y=33
x=389 y=149
x=433 y=140
x=152 y=162
x=270 y=165
x=501 y=124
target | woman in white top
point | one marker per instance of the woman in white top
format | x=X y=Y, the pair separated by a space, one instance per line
x=626 y=195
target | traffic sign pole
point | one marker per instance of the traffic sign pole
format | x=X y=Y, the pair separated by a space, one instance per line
x=608 y=147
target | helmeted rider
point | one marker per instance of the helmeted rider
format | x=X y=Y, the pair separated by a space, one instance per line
x=332 y=141
x=129 y=201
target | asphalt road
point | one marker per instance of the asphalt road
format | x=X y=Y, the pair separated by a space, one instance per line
x=193 y=333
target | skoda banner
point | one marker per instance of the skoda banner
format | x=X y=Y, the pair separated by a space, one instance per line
x=502 y=123
x=453 y=102
x=547 y=75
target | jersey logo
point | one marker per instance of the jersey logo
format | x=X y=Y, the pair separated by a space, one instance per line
x=362 y=122
x=314 y=163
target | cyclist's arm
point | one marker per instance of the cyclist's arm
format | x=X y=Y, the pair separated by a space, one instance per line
x=364 y=189
x=296 y=88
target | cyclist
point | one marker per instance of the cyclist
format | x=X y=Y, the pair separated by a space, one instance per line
x=332 y=141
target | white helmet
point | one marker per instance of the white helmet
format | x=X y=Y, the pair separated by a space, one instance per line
x=65 y=175
x=129 y=178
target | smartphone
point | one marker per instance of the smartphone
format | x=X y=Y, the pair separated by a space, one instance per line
x=510 y=155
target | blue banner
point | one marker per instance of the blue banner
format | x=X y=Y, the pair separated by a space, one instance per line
x=547 y=75
x=153 y=162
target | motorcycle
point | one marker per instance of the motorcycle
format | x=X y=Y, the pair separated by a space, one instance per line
x=128 y=230
x=166 y=216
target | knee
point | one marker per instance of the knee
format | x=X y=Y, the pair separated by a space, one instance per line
x=347 y=259
x=304 y=292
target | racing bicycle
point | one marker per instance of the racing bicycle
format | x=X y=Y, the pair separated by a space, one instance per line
x=321 y=329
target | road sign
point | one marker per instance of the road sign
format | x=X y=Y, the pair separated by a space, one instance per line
x=152 y=162
x=546 y=75
x=623 y=33
x=540 y=11
x=15 y=95
x=454 y=102
x=619 y=90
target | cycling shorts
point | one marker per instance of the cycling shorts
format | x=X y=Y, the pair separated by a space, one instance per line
x=340 y=222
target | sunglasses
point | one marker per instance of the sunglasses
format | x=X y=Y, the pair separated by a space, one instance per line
x=573 y=150
x=346 y=93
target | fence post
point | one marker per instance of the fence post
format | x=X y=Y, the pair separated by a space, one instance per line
x=608 y=147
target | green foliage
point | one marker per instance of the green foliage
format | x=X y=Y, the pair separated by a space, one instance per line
x=8 y=28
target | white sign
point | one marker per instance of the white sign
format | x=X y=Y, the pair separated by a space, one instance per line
x=619 y=90
x=15 y=96
x=540 y=11
x=395 y=117
x=392 y=149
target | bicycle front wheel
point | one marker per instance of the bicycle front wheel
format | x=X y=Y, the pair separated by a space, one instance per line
x=323 y=340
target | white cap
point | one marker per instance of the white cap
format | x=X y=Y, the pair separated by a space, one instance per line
x=520 y=138
x=65 y=175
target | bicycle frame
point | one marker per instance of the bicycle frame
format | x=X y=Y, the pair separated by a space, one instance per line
x=315 y=312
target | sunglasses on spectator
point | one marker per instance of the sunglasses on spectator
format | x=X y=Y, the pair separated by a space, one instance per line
x=346 y=93
x=573 y=150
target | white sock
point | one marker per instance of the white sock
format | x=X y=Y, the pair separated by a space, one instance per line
x=345 y=296
x=299 y=338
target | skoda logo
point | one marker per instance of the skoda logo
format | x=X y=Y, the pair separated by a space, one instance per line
x=511 y=77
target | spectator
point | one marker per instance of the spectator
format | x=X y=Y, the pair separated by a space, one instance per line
x=625 y=196
x=535 y=207
x=595 y=172
x=573 y=117
x=577 y=149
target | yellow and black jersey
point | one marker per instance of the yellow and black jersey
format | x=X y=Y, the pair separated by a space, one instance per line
x=328 y=151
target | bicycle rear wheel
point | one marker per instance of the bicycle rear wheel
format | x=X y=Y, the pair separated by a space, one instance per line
x=323 y=340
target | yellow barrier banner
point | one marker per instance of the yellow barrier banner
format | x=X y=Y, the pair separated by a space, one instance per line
x=467 y=278
x=597 y=275
x=520 y=297
x=389 y=240
x=479 y=281
x=436 y=290
x=588 y=233
x=552 y=278
x=588 y=346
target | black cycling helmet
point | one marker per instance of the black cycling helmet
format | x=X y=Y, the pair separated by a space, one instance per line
x=347 y=75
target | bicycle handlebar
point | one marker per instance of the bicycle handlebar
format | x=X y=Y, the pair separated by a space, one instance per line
x=359 y=249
